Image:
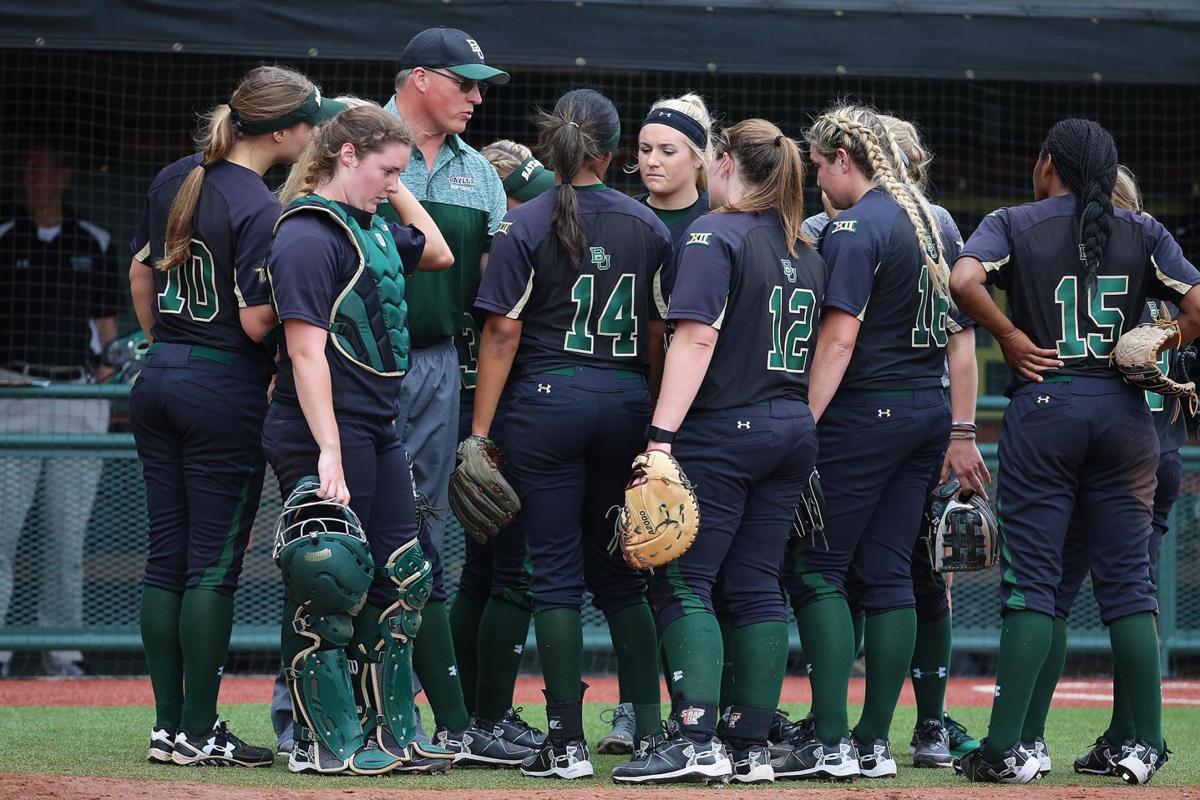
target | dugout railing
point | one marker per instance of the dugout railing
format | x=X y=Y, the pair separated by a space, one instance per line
x=115 y=549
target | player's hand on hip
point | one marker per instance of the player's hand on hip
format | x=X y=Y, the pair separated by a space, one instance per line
x=965 y=461
x=1026 y=358
x=333 y=480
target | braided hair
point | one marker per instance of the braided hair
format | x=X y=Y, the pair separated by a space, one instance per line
x=861 y=132
x=1085 y=158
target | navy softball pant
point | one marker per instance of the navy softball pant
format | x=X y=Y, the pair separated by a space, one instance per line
x=197 y=414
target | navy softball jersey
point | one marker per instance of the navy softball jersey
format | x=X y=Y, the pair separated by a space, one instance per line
x=198 y=301
x=735 y=274
x=594 y=313
x=678 y=220
x=310 y=265
x=877 y=275
x=1032 y=251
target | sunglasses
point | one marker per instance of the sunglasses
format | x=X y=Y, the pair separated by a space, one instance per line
x=465 y=85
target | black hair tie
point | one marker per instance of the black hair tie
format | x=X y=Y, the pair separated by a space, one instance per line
x=779 y=140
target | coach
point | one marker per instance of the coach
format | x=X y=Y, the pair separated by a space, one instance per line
x=442 y=79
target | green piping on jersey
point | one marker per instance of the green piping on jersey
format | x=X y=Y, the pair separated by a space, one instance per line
x=368 y=321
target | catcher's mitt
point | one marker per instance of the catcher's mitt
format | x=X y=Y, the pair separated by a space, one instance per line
x=480 y=496
x=1136 y=356
x=661 y=515
x=963 y=535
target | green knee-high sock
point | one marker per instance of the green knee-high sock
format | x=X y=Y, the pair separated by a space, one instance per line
x=635 y=642
x=502 y=634
x=560 y=649
x=666 y=668
x=759 y=661
x=1043 y=690
x=1135 y=647
x=827 y=634
x=860 y=624
x=1025 y=640
x=207 y=616
x=1120 y=727
x=931 y=666
x=433 y=661
x=695 y=652
x=465 y=631
x=164 y=656
x=727 y=670
x=889 y=639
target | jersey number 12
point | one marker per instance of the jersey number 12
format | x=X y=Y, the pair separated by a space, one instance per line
x=789 y=351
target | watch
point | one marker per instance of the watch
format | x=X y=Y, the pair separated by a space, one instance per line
x=659 y=435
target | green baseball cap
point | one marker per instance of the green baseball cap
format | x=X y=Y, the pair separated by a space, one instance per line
x=314 y=110
x=528 y=180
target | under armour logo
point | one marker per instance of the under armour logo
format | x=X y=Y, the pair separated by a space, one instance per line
x=883 y=412
x=1043 y=399
x=996 y=692
x=543 y=388
x=676 y=676
x=743 y=424
x=518 y=649
x=555 y=725
x=453 y=670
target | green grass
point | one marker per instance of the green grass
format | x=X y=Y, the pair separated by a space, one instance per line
x=111 y=742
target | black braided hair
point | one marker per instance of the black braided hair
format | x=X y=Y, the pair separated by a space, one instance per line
x=1085 y=157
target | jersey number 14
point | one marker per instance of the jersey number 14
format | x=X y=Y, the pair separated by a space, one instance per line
x=617 y=319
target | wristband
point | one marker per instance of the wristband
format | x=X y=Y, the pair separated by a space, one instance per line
x=659 y=435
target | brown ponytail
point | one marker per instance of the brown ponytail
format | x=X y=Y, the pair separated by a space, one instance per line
x=773 y=168
x=583 y=127
x=265 y=93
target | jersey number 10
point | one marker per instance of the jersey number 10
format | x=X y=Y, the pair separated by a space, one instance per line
x=617 y=319
x=192 y=285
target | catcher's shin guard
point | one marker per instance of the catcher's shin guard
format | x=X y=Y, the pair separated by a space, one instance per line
x=383 y=648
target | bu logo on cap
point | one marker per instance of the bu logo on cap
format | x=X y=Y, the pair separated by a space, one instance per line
x=475 y=47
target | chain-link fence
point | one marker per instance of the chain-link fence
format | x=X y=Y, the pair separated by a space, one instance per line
x=115 y=118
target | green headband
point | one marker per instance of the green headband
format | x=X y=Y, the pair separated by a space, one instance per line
x=528 y=180
x=314 y=110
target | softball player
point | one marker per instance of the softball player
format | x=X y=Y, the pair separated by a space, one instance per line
x=337 y=280
x=741 y=430
x=1171 y=428
x=490 y=614
x=572 y=293
x=884 y=333
x=1078 y=273
x=197 y=409
x=673 y=147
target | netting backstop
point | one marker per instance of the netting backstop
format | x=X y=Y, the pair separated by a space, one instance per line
x=122 y=115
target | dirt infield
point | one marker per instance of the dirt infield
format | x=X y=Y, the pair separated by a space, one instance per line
x=40 y=787
x=257 y=689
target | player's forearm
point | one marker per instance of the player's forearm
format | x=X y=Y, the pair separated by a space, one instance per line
x=831 y=357
x=969 y=290
x=1188 y=318
x=497 y=351
x=310 y=370
x=964 y=375
x=141 y=290
x=686 y=364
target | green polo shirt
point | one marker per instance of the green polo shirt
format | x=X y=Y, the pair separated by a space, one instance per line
x=465 y=197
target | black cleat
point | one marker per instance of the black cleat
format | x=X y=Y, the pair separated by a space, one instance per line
x=671 y=757
x=1017 y=765
x=513 y=729
x=808 y=758
x=1100 y=759
x=566 y=759
x=162 y=746
x=931 y=745
x=1138 y=761
x=1037 y=747
x=875 y=758
x=220 y=748
x=751 y=764
x=475 y=747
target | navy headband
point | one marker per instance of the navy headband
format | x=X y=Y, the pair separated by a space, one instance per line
x=681 y=122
